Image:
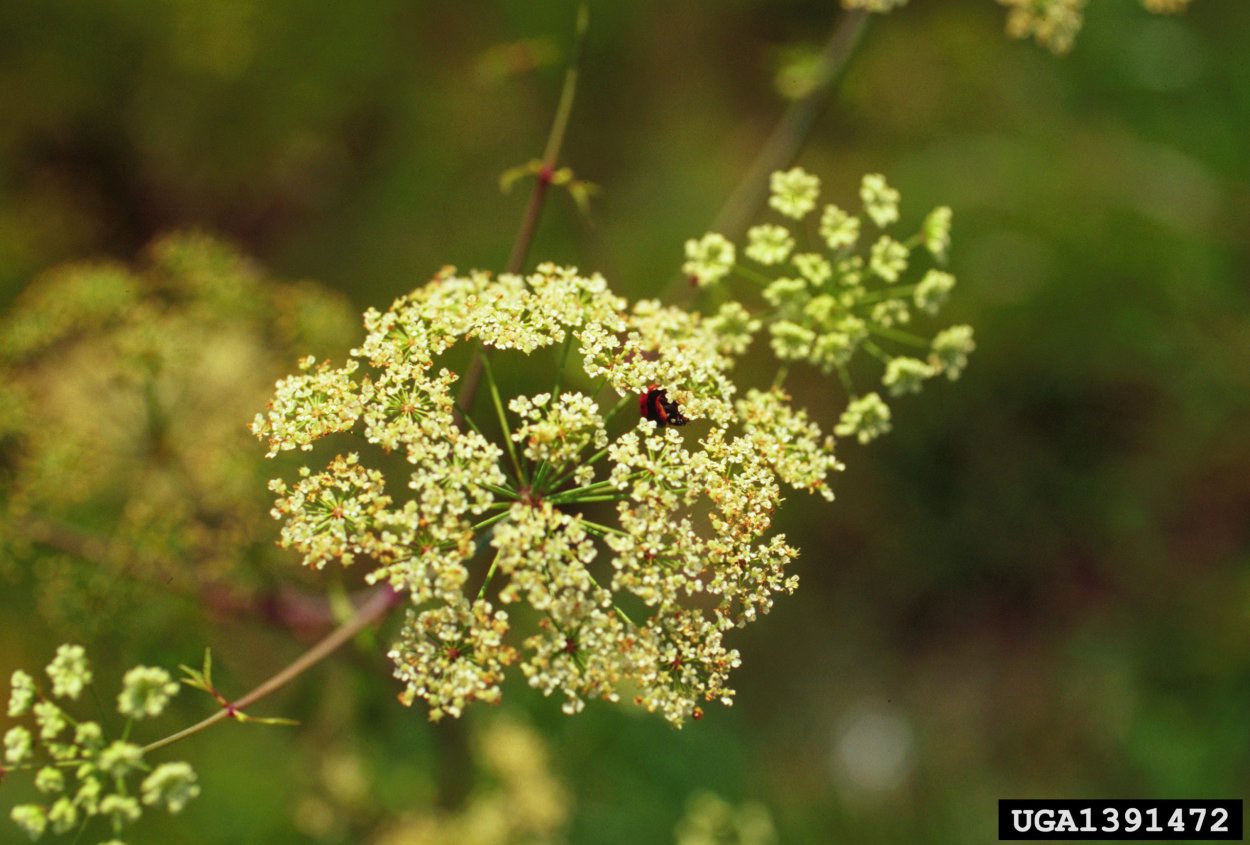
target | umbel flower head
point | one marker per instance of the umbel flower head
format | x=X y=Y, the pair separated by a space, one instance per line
x=571 y=532
x=626 y=548
x=1052 y=23
x=856 y=295
x=79 y=774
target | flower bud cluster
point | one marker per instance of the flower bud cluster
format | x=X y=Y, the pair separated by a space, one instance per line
x=828 y=305
x=80 y=773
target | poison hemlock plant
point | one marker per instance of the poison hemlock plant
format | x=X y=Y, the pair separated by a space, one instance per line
x=604 y=535
x=625 y=546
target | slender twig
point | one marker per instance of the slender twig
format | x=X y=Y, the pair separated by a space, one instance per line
x=374 y=609
x=555 y=140
x=542 y=181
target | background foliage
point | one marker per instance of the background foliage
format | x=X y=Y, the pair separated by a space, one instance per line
x=1038 y=585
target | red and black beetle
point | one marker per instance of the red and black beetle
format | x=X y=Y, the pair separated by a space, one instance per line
x=655 y=405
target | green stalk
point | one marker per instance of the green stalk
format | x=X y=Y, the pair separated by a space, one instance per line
x=533 y=210
x=899 y=336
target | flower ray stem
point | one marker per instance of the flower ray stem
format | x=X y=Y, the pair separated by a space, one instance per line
x=845 y=377
x=598 y=487
x=503 y=418
x=604 y=529
x=616 y=409
x=506 y=492
x=490 y=574
x=593 y=459
x=792 y=130
x=877 y=352
x=780 y=378
x=900 y=336
x=487 y=523
x=375 y=608
x=898 y=292
x=464 y=415
x=564 y=358
x=588 y=488
x=752 y=275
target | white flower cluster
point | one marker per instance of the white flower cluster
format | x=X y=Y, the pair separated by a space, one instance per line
x=636 y=545
x=1055 y=23
x=558 y=432
x=626 y=546
x=711 y=820
x=1052 y=23
x=81 y=774
x=828 y=306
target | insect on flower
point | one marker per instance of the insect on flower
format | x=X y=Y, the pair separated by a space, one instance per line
x=655 y=405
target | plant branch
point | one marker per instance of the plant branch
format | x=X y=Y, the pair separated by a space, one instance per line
x=555 y=140
x=542 y=182
x=372 y=610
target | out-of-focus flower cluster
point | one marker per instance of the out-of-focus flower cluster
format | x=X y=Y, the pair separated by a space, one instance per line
x=1055 y=23
x=1052 y=23
x=82 y=774
x=521 y=801
x=711 y=820
x=525 y=803
x=839 y=284
x=121 y=395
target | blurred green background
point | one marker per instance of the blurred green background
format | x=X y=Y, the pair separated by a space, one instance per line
x=1038 y=585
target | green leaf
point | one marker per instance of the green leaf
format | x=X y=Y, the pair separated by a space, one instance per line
x=201 y=679
x=512 y=175
x=243 y=718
